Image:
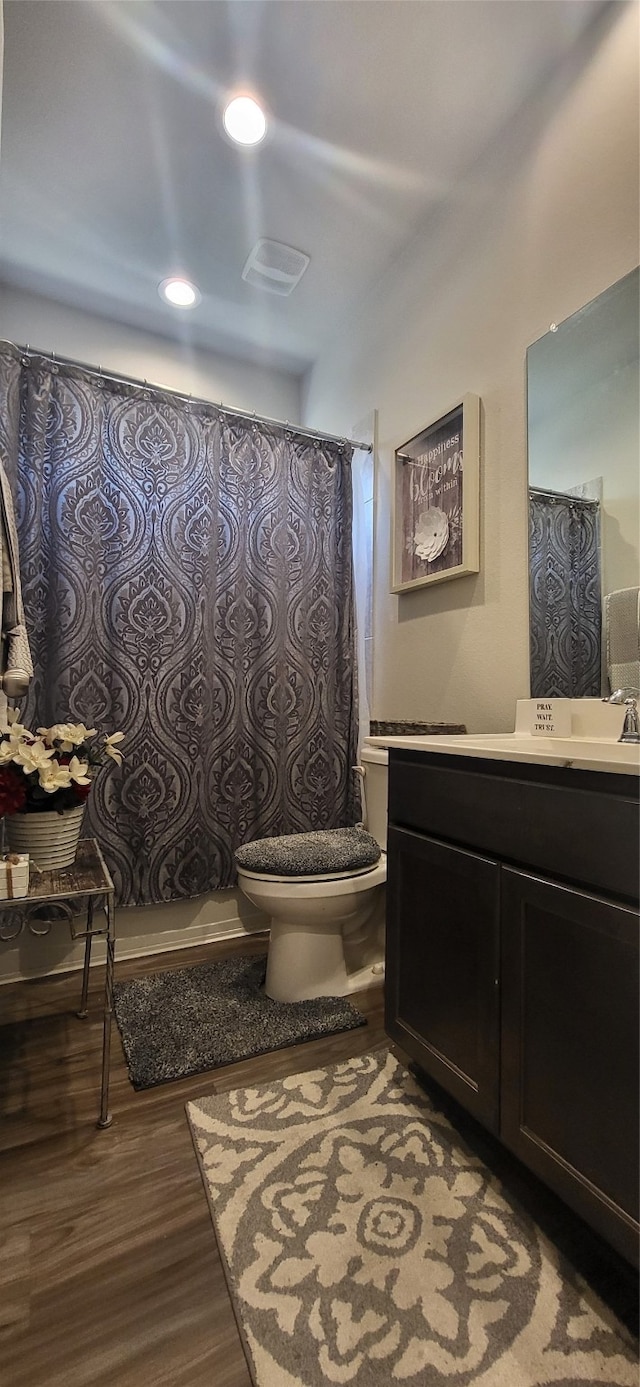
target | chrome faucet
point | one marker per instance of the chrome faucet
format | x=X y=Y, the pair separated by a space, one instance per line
x=631 y=726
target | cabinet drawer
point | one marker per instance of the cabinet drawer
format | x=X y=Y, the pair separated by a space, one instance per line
x=577 y=826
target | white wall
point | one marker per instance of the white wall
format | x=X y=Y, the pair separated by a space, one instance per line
x=49 y=326
x=548 y=220
x=1 y=61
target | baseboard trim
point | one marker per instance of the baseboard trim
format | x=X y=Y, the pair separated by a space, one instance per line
x=28 y=957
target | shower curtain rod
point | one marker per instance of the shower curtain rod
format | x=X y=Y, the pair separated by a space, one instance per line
x=562 y=496
x=191 y=399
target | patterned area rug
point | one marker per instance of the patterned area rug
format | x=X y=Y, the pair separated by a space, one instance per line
x=186 y=1020
x=364 y=1244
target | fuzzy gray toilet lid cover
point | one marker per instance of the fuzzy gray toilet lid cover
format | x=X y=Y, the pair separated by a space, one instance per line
x=310 y=854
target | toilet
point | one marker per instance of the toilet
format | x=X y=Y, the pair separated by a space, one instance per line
x=327 y=925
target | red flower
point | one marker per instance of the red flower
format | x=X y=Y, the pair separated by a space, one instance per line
x=13 y=790
x=81 y=792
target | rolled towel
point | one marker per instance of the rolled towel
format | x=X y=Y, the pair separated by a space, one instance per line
x=622 y=621
x=19 y=667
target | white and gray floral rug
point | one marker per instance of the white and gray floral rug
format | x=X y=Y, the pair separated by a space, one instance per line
x=365 y=1244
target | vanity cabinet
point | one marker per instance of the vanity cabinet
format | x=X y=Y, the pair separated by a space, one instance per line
x=512 y=962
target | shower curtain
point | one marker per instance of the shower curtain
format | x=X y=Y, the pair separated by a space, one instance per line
x=187 y=579
x=565 y=599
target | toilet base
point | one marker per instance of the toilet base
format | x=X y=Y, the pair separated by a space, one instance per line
x=313 y=967
x=333 y=960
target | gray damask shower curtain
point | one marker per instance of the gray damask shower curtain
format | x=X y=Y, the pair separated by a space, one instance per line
x=565 y=597
x=187 y=579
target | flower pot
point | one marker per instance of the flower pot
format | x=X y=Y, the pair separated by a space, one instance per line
x=49 y=838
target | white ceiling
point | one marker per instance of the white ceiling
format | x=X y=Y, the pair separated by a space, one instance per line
x=115 y=172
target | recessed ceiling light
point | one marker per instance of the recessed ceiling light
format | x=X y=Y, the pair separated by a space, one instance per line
x=244 y=120
x=179 y=292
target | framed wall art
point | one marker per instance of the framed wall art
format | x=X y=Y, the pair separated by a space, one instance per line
x=436 y=505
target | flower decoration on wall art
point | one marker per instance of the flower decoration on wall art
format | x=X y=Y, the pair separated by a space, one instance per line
x=431 y=534
x=53 y=768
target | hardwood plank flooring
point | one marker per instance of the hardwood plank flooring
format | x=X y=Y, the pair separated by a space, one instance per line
x=109 y=1270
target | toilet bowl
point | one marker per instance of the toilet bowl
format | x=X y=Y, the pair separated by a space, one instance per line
x=327 y=928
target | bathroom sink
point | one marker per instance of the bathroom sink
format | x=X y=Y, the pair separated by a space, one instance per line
x=583 y=753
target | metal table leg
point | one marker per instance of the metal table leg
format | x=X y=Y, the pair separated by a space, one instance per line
x=87 y=961
x=105 y=1119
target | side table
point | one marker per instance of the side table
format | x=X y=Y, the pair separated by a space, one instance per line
x=88 y=880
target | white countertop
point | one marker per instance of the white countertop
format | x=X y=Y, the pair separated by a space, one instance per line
x=578 y=753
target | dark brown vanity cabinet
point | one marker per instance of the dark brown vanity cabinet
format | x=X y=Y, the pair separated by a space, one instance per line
x=512 y=963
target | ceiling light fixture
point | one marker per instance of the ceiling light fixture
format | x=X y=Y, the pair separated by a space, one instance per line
x=244 y=120
x=179 y=293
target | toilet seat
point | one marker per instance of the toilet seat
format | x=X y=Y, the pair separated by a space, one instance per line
x=319 y=877
x=314 y=855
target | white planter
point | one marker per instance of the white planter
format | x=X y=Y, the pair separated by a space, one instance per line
x=49 y=838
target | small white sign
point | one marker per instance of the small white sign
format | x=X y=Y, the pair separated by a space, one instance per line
x=551 y=717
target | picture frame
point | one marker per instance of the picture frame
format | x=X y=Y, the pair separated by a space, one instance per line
x=436 y=500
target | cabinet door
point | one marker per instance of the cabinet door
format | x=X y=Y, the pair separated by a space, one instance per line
x=569 y=1096
x=442 y=1003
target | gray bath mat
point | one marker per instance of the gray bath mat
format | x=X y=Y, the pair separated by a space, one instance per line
x=366 y=1245
x=186 y=1020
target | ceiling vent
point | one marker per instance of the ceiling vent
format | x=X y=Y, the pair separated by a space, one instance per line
x=275 y=267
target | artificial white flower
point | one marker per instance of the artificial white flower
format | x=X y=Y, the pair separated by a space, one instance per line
x=68 y=734
x=49 y=734
x=32 y=756
x=78 y=771
x=13 y=728
x=7 y=750
x=52 y=777
x=112 y=750
x=78 y=733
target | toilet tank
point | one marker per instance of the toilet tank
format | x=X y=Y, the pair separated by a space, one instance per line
x=375 y=763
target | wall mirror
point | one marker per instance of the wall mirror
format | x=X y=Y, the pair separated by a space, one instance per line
x=583 y=409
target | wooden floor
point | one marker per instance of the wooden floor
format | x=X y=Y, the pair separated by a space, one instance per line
x=109 y=1272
